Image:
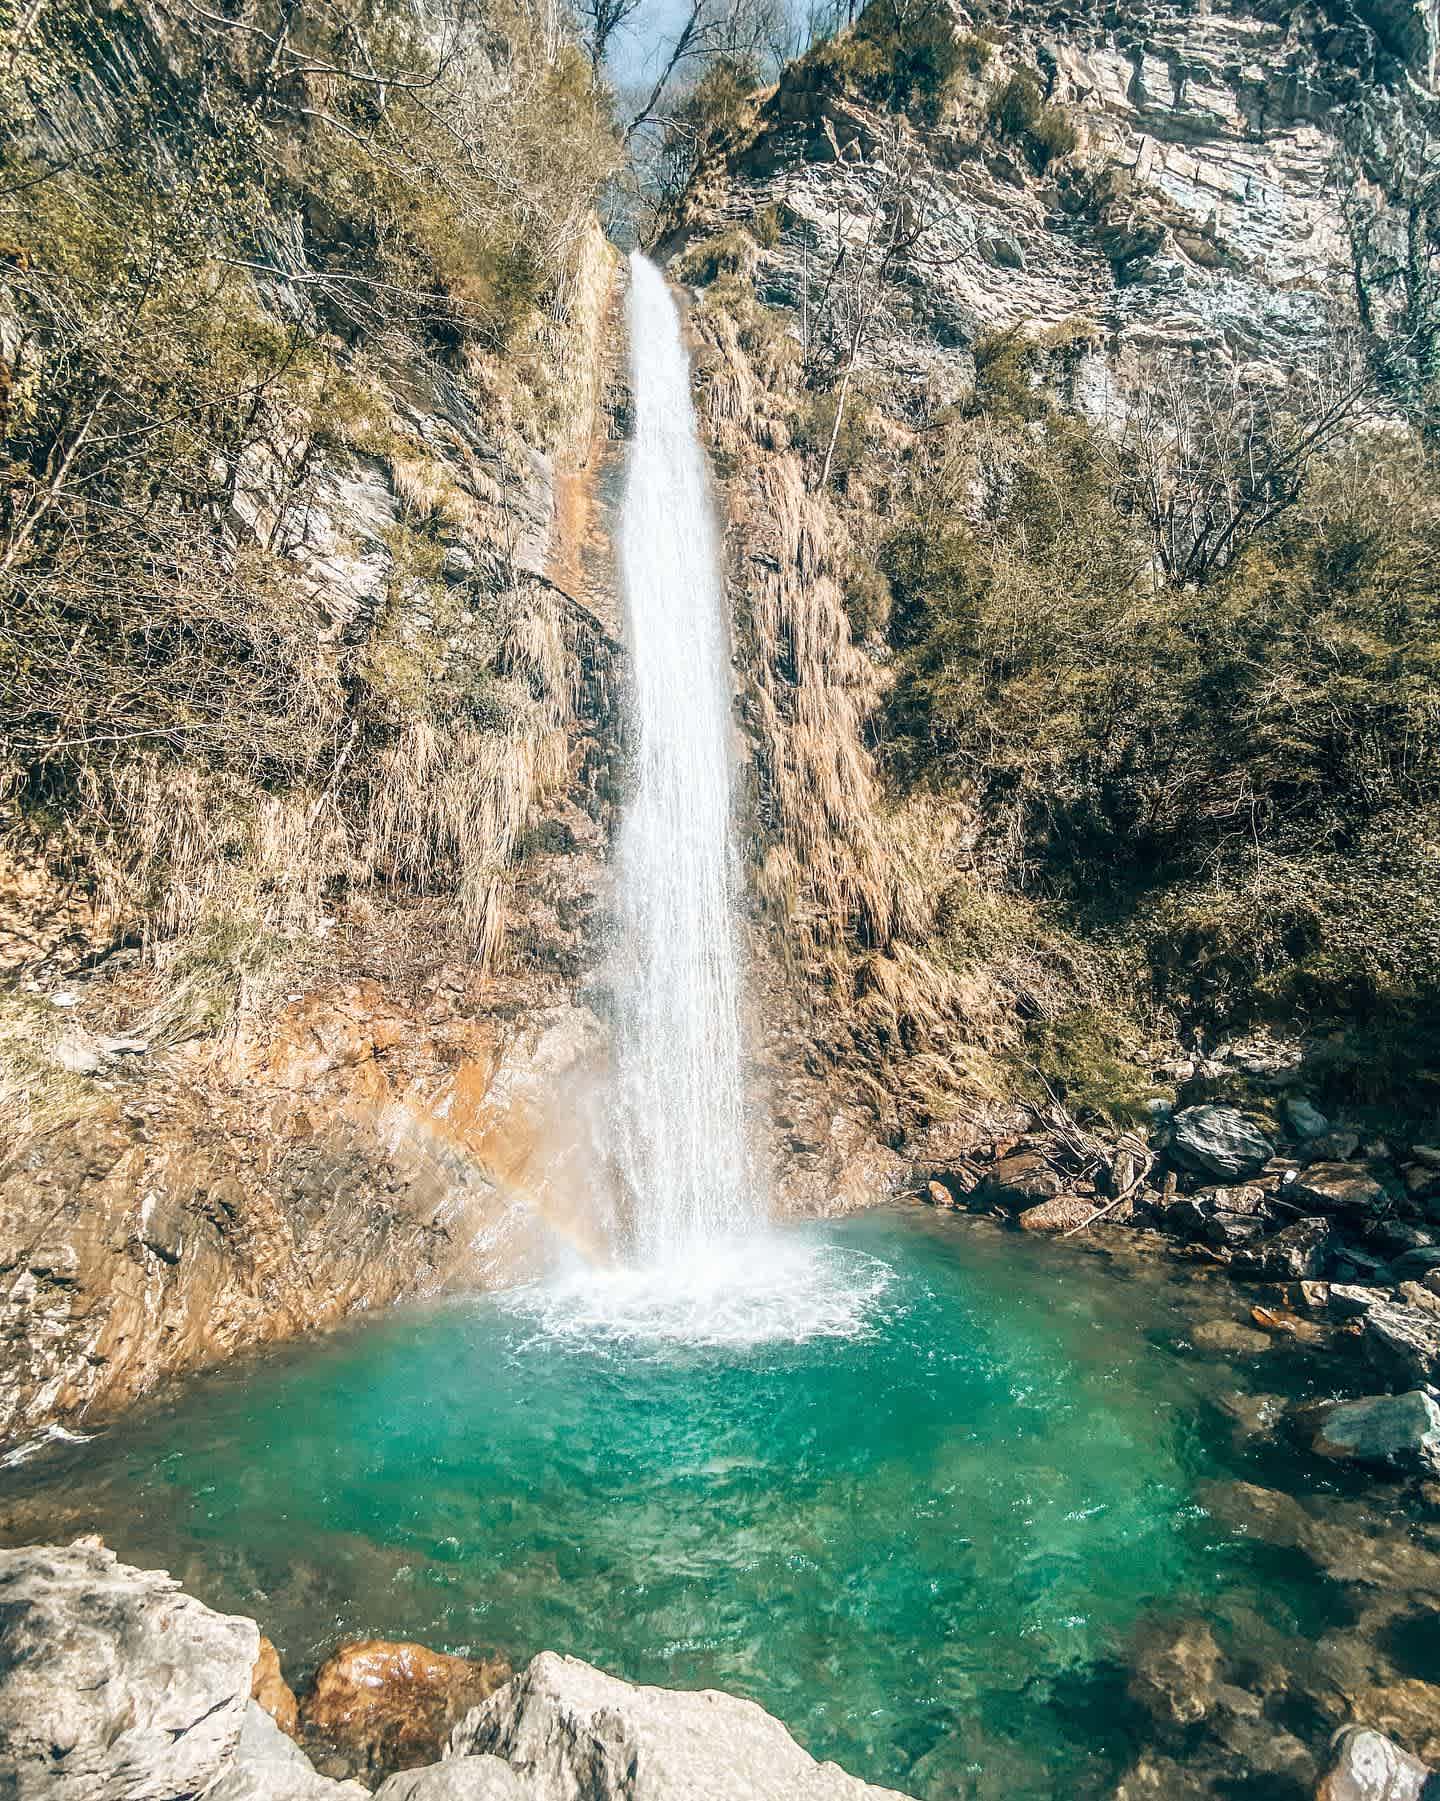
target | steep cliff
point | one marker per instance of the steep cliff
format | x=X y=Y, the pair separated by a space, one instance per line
x=309 y=669
x=1054 y=722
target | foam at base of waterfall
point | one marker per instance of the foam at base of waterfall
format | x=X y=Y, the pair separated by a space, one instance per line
x=728 y=1295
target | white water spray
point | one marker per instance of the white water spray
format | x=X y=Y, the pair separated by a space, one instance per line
x=680 y=1096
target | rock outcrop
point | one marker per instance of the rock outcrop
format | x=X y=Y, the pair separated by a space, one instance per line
x=115 y=1686
x=578 y=1735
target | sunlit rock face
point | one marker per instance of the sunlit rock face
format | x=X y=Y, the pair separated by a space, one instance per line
x=1202 y=210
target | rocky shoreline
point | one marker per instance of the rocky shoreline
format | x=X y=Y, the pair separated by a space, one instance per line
x=116 y=1683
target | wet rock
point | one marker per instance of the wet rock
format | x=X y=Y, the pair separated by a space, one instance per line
x=1337 y=1188
x=1298 y=1252
x=1403 y=1430
x=1175 y=1672
x=1022 y=1179
x=1253 y=1415
x=1062 y=1214
x=1229 y=1338
x=1344 y=1539
x=269 y=1766
x=392 y=1706
x=1403 y=1342
x=1162 y=1779
x=579 y=1735
x=272 y=1692
x=940 y=1196
x=1368 y=1767
x=1219 y=1141
x=114 y=1686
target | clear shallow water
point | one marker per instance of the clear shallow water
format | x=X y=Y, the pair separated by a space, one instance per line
x=921 y=1535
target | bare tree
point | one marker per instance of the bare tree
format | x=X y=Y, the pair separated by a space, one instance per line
x=1208 y=458
x=845 y=303
x=599 y=21
x=710 y=30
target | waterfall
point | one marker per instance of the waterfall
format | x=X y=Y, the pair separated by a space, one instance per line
x=679 y=1097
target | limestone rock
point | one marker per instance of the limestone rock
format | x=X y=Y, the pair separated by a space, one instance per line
x=1368 y=1767
x=269 y=1688
x=1219 y=1141
x=269 y=1766
x=459 y=1779
x=114 y=1686
x=1398 y=1429
x=579 y=1735
x=392 y=1706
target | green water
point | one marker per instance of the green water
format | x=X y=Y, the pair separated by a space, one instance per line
x=921 y=1536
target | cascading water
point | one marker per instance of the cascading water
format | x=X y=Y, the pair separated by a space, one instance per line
x=702 y=1268
x=680 y=1100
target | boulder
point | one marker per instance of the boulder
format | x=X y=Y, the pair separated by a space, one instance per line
x=1339 y=1146
x=576 y=1734
x=1229 y=1338
x=1305 y=1119
x=1351 y=1300
x=1414 y=1264
x=391 y=1706
x=1062 y=1214
x=270 y=1766
x=1299 y=1252
x=1403 y=1430
x=114 y=1686
x=1022 y=1179
x=1337 y=1188
x=269 y=1688
x=1220 y=1142
x=1404 y=1343
x=1368 y=1767
x=460 y=1779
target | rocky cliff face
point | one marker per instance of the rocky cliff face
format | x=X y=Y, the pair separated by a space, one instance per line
x=1202 y=207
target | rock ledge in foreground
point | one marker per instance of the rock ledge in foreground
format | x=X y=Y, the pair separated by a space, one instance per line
x=574 y=1734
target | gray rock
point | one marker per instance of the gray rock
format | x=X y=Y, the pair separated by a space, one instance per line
x=1304 y=1118
x=1398 y=1429
x=269 y=1766
x=1220 y=1141
x=114 y=1686
x=576 y=1734
x=1404 y=1342
x=1337 y=1188
x=460 y=1779
x=1368 y=1767
x=1412 y=1265
x=1349 y=1300
x=1230 y=1338
x=1299 y=1252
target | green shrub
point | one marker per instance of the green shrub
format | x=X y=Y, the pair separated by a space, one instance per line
x=1018 y=110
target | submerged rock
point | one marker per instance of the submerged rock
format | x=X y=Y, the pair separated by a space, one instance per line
x=114 y=1686
x=1175 y=1672
x=1398 y=1429
x=391 y=1706
x=1219 y=1141
x=1230 y=1338
x=576 y=1734
x=1368 y=1767
x=1062 y=1214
